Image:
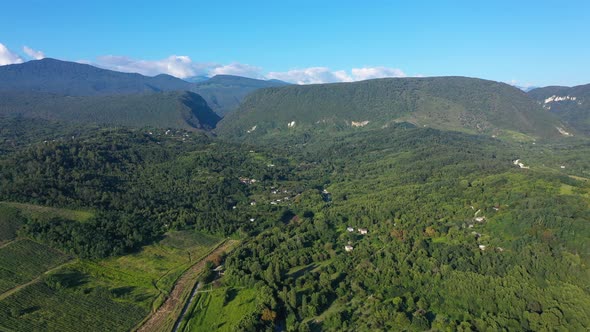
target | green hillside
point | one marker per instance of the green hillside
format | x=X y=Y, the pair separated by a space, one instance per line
x=449 y=103
x=571 y=105
x=162 y=109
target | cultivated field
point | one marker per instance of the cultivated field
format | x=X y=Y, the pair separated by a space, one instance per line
x=103 y=295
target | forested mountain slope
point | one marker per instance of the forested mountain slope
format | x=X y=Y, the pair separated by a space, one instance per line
x=76 y=79
x=161 y=109
x=222 y=92
x=449 y=103
x=571 y=105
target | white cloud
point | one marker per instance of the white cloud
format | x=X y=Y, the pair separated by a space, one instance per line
x=7 y=57
x=35 y=54
x=311 y=75
x=367 y=73
x=238 y=69
x=180 y=66
x=316 y=75
x=175 y=65
x=524 y=86
x=184 y=67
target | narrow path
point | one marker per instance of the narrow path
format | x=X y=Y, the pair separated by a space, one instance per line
x=7 y=243
x=168 y=312
x=37 y=279
x=187 y=306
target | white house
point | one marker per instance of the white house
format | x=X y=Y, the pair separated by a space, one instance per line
x=348 y=248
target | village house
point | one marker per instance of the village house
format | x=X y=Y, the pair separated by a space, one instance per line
x=363 y=231
x=219 y=270
x=482 y=247
x=247 y=180
x=350 y=229
x=348 y=248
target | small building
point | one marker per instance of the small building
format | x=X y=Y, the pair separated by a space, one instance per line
x=350 y=229
x=482 y=247
x=363 y=231
x=253 y=203
x=252 y=219
x=220 y=270
x=480 y=219
x=348 y=248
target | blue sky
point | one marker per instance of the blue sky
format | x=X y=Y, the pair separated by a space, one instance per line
x=525 y=42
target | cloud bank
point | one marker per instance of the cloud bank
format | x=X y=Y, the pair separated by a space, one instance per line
x=315 y=75
x=7 y=57
x=175 y=65
x=184 y=67
x=34 y=54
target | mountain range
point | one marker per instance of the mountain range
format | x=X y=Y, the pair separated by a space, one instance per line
x=69 y=91
x=223 y=93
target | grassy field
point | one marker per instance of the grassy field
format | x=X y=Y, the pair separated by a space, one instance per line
x=104 y=295
x=46 y=212
x=151 y=272
x=209 y=313
x=23 y=260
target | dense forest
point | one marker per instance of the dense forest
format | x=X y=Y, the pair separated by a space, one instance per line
x=140 y=182
x=457 y=238
x=397 y=228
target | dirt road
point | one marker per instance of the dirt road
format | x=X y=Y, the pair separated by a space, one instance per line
x=166 y=315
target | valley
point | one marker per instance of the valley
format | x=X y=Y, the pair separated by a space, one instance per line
x=409 y=204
